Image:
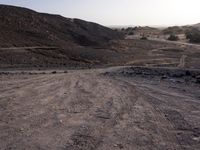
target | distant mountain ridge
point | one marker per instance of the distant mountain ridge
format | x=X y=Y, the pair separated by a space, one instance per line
x=180 y=29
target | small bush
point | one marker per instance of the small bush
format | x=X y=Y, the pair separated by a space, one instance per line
x=131 y=33
x=173 y=37
x=144 y=38
x=193 y=36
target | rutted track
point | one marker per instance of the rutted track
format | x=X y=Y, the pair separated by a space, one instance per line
x=83 y=110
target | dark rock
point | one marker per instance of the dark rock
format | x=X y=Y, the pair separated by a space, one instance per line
x=197 y=79
x=164 y=77
x=53 y=72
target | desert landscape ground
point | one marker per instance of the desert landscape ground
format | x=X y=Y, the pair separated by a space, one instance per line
x=112 y=108
x=68 y=84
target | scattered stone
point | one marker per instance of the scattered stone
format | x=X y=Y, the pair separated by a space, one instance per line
x=164 y=77
x=119 y=145
x=102 y=114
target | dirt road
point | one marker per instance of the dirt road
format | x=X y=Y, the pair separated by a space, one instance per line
x=32 y=47
x=85 y=110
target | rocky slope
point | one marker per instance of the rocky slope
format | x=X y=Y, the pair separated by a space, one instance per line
x=197 y=25
x=24 y=27
x=50 y=40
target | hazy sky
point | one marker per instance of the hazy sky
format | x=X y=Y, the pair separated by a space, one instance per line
x=120 y=12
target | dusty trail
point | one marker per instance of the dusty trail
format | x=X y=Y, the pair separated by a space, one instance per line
x=84 y=110
x=28 y=47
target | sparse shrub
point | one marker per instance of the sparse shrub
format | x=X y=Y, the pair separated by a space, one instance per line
x=135 y=28
x=173 y=30
x=131 y=33
x=173 y=37
x=193 y=36
x=129 y=29
x=143 y=38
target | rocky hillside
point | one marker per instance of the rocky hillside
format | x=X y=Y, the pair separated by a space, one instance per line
x=197 y=25
x=24 y=27
x=180 y=29
x=31 y=39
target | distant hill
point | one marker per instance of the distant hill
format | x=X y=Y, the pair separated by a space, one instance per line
x=197 y=25
x=21 y=26
x=146 y=30
x=180 y=29
x=177 y=29
x=72 y=41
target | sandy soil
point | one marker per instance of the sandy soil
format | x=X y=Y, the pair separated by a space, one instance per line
x=87 y=109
